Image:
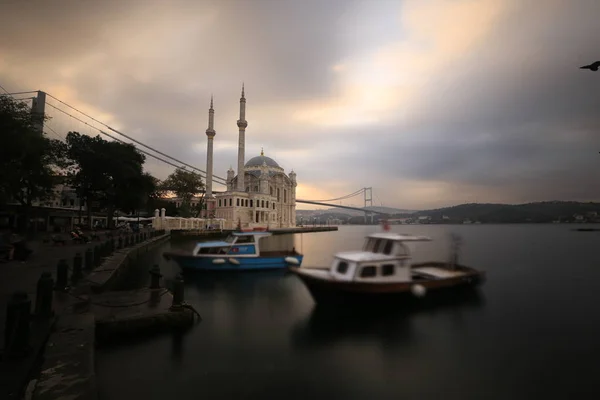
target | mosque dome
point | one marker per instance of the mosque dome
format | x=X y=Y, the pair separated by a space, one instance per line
x=259 y=160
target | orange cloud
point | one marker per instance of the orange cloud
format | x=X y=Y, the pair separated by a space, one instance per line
x=375 y=86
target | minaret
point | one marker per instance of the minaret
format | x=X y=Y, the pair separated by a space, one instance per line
x=230 y=176
x=210 y=133
x=242 y=124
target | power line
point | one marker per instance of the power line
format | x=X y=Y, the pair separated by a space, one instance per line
x=54 y=132
x=122 y=141
x=134 y=140
x=17 y=93
x=215 y=177
x=24 y=98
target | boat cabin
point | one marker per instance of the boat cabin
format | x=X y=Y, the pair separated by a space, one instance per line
x=236 y=244
x=385 y=257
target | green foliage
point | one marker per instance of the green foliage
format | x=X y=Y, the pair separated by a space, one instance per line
x=109 y=173
x=186 y=185
x=29 y=162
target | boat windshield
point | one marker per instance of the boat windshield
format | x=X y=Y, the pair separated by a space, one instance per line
x=230 y=239
x=382 y=246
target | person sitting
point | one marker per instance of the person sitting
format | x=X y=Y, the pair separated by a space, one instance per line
x=81 y=235
x=20 y=250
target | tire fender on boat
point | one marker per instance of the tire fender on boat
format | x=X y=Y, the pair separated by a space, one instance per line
x=233 y=261
x=418 y=290
x=218 y=261
x=292 y=260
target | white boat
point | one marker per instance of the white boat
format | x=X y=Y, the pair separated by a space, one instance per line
x=384 y=270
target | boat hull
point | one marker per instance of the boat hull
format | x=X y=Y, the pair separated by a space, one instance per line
x=337 y=292
x=224 y=263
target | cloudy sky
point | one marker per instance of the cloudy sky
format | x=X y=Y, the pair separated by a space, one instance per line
x=430 y=102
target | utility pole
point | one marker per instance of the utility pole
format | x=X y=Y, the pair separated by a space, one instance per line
x=38 y=109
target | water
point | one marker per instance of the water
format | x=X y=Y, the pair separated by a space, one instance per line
x=532 y=331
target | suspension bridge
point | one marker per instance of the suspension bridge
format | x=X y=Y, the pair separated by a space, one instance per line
x=63 y=117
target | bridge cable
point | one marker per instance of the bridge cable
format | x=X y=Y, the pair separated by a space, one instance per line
x=343 y=197
x=215 y=177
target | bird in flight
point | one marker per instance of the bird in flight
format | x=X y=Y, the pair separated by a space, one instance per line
x=593 y=66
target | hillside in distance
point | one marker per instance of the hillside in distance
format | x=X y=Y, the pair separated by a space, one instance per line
x=548 y=211
x=539 y=212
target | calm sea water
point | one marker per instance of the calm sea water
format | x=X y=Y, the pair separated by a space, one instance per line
x=532 y=330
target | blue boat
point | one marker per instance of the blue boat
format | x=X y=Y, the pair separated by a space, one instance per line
x=239 y=252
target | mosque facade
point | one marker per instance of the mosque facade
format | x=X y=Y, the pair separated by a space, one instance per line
x=260 y=195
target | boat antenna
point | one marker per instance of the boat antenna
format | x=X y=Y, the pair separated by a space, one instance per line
x=455 y=243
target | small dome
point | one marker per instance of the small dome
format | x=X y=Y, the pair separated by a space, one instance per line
x=259 y=160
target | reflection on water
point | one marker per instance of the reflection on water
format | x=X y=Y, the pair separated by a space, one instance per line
x=389 y=326
x=530 y=332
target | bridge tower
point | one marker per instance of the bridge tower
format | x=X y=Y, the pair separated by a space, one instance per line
x=368 y=193
x=242 y=124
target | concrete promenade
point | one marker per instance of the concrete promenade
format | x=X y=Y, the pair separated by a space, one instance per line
x=17 y=276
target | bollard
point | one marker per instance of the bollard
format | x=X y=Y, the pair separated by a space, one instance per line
x=77 y=270
x=111 y=246
x=97 y=255
x=44 y=296
x=62 y=274
x=16 y=329
x=177 y=294
x=89 y=258
x=155 y=276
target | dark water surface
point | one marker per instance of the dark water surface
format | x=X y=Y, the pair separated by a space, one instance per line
x=532 y=330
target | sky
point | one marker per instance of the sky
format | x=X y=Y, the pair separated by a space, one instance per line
x=431 y=103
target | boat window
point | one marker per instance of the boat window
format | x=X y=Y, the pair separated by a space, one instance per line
x=245 y=239
x=342 y=267
x=368 y=271
x=388 y=247
x=212 y=250
x=369 y=244
x=387 y=269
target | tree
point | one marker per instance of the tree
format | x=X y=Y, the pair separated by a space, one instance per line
x=140 y=193
x=86 y=169
x=30 y=163
x=186 y=185
x=109 y=174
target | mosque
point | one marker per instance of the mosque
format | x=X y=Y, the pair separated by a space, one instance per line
x=261 y=195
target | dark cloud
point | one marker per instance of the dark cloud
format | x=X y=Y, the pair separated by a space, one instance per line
x=512 y=117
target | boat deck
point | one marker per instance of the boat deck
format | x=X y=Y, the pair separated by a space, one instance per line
x=437 y=272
